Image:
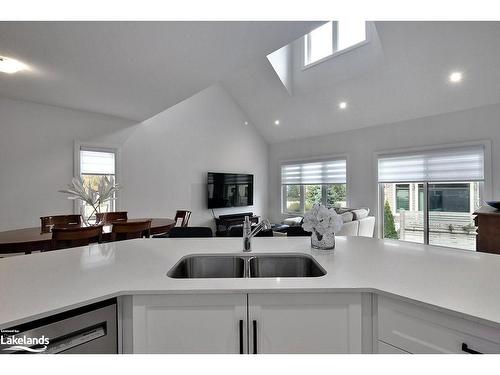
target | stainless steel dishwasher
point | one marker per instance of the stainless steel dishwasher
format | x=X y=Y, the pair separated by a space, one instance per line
x=87 y=330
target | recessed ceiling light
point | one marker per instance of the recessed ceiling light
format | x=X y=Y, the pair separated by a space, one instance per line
x=455 y=77
x=10 y=66
x=276 y=122
x=343 y=105
x=246 y=122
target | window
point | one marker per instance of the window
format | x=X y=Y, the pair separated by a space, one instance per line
x=402 y=197
x=95 y=164
x=350 y=33
x=305 y=184
x=332 y=37
x=429 y=197
x=449 y=197
x=420 y=197
x=293 y=199
x=319 y=43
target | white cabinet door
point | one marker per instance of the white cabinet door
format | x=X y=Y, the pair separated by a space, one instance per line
x=384 y=348
x=209 y=323
x=304 y=323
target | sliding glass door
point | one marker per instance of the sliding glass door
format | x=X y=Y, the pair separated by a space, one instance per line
x=429 y=197
x=451 y=206
x=403 y=220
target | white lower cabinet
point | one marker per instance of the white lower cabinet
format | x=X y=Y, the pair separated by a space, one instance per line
x=384 y=348
x=189 y=323
x=417 y=329
x=244 y=323
x=305 y=323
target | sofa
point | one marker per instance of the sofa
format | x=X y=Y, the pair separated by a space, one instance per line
x=357 y=222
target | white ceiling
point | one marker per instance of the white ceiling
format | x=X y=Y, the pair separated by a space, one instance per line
x=409 y=81
x=132 y=70
x=135 y=70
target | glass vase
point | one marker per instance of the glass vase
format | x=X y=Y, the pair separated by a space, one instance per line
x=323 y=241
x=88 y=221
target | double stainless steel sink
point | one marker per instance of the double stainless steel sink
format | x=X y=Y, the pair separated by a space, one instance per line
x=246 y=265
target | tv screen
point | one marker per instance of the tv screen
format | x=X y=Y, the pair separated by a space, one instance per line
x=229 y=190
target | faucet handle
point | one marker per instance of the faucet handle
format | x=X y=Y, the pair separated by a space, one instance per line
x=266 y=225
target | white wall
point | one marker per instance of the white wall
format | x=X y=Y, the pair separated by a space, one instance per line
x=360 y=145
x=281 y=60
x=36 y=157
x=167 y=158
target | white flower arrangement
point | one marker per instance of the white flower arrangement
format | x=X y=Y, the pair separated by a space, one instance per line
x=322 y=220
x=95 y=198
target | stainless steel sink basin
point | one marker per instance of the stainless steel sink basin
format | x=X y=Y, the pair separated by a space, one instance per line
x=208 y=266
x=284 y=266
x=246 y=265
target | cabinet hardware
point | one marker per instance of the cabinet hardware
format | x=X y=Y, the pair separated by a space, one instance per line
x=466 y=349
x=241 y=336
x=254 y=337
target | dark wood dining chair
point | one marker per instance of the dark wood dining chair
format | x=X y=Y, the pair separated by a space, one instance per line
x=66 y=237
x=109 y=217
x=184 y=216
x=59 y=221
x=129 y=230
x=187 y=232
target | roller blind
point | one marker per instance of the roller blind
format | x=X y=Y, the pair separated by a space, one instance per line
x=454 y=164
x=322 y=172
x=97 y=162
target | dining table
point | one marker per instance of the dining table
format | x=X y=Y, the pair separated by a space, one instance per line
x=26 y=240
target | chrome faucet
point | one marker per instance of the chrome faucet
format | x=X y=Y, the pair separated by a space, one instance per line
x=248 y=233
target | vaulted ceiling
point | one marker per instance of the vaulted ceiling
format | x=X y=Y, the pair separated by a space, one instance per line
x=408 y=80
x=135 y=70
x=132 y=70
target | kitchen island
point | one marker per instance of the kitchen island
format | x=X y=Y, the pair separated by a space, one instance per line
x=376 y=296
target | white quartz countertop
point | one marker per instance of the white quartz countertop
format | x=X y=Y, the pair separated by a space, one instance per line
x=38 y=285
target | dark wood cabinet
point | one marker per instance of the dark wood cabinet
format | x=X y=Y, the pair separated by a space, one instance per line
x=488 y=232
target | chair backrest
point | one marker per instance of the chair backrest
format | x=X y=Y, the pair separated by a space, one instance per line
x=63 y=238
x=366 y=226
x=46 y=222
x=109 y=217
x=184 y=215
x=186 y=232
x=128 y=230
x=237 y=231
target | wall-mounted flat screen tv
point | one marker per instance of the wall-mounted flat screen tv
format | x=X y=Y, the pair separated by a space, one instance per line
x=229 y=190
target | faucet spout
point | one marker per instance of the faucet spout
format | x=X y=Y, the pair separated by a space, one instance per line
x=248 y=233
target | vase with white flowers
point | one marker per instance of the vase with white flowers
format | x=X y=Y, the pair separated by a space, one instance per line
x=94 y=197
x=323 y=223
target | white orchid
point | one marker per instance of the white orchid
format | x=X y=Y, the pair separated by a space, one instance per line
x=322 y=220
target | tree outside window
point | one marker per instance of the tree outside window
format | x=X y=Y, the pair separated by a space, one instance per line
x=301 y=198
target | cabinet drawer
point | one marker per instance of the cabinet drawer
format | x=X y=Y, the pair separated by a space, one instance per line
x=417 y=329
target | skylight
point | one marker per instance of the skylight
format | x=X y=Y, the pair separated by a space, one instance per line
x=350 y=33
x=319 y=43
x=331 y=37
